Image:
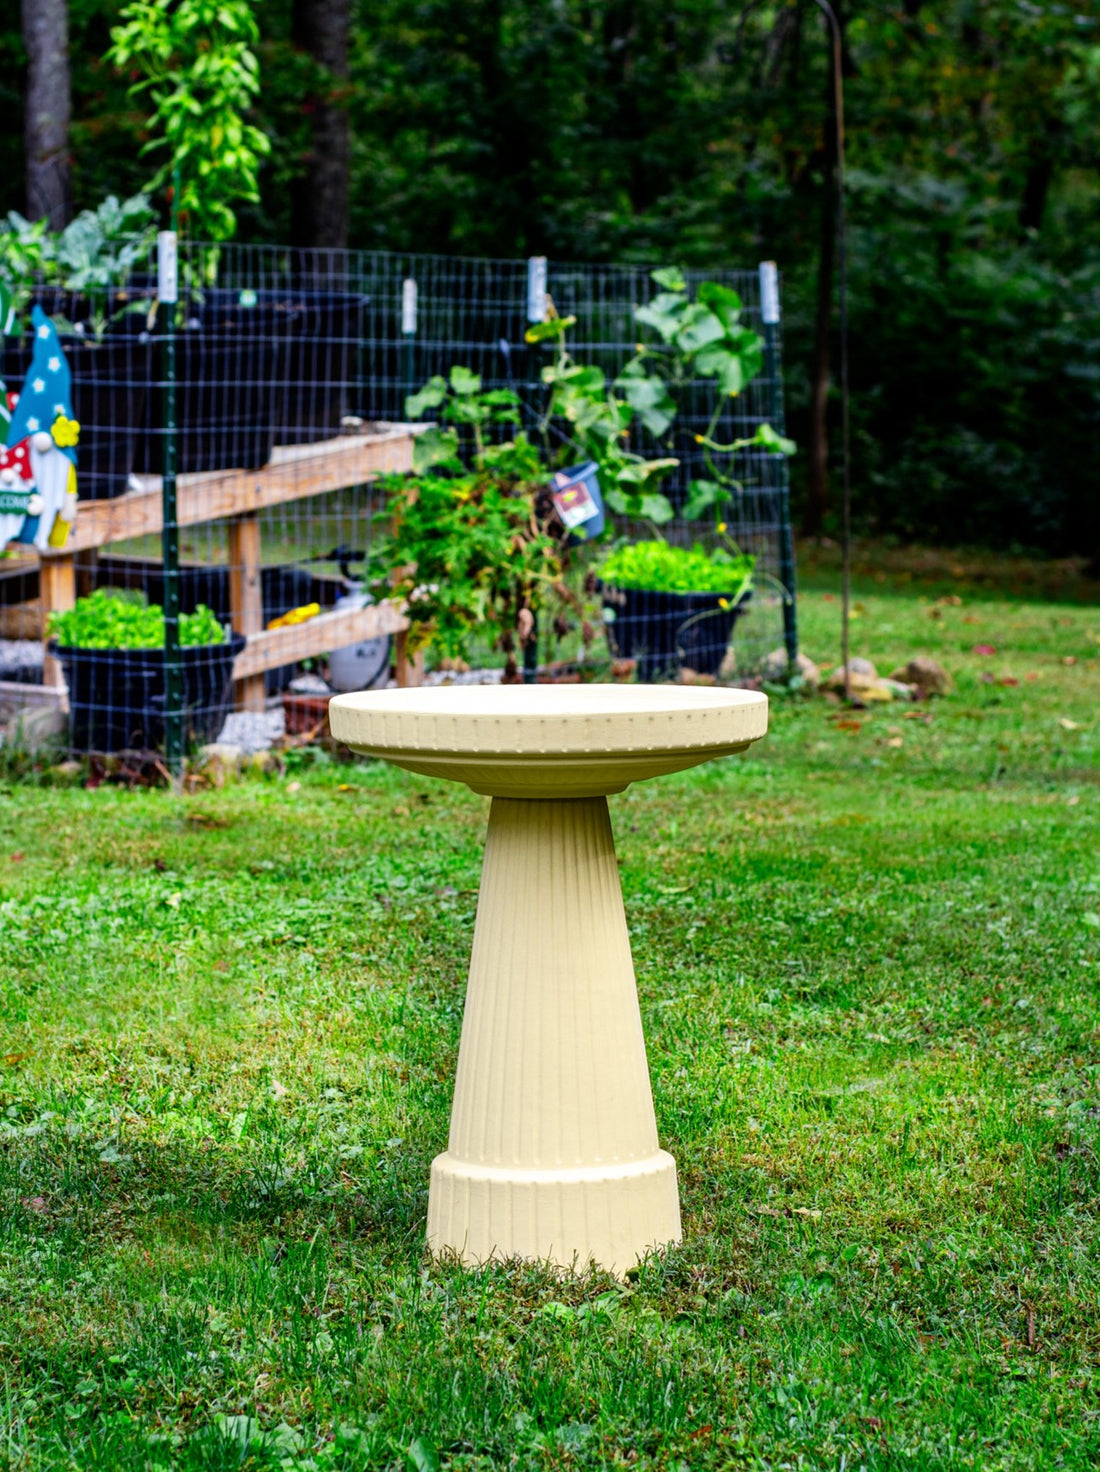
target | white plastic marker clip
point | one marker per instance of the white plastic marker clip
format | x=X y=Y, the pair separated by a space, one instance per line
x=167 y=272
x=408 y=306
x=769 y=292
x=536 y=288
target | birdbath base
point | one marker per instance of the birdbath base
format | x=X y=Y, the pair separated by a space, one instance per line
x=553 y=1151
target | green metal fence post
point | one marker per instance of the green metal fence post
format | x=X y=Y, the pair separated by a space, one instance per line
x=769 y=312
x=167 y=297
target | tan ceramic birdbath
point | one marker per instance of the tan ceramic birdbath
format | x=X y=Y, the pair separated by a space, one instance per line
x=553 y=1151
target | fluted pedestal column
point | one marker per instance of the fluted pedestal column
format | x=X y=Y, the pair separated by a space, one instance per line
x=553 y=1149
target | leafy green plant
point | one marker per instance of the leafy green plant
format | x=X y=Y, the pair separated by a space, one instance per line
x=104 y=620
x=465 y=547
x=200 y=73
x=459 y=402
x=26 y=248
x=92 y=257
x=663 y=568
x=695 y=340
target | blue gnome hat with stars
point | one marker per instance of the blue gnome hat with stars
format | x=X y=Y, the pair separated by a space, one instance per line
x=47 y=388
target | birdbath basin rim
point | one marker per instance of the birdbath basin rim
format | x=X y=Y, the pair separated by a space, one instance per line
x=549 y=741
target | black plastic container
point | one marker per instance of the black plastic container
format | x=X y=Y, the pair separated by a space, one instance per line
x=322 y=365
x=110 y=388
x=231 y=355
x=117 y=696
x=665 y=632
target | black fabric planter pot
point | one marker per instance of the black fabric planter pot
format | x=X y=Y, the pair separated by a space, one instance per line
x=110 y=387
x=323 y=365
x=665 y=632
x=230 y=384
x=116 y=696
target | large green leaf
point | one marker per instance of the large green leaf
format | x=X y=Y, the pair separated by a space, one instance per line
x=650 y=399
x=732 y=378
x=703 y=496
x=699 y=329
x=769 y=439
x=710 y=362
x=434 y=447
x=465 y=381
x=723 y=301
x=670 y=277
x=664 y=313
x=429 y=397
x=548 y=331
x=653 y=507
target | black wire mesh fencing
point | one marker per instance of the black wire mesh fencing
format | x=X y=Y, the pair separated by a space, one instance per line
x=291 y=371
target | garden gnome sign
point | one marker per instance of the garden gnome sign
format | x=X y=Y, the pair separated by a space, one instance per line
x=38 y=457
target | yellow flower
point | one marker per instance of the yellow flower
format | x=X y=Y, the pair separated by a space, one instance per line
x=65 y=432
x=721 y=527
x=723 y=603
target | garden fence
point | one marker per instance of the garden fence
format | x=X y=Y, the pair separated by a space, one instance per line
x=275 y=392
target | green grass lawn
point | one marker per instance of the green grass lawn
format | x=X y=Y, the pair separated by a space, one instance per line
x=867 y=955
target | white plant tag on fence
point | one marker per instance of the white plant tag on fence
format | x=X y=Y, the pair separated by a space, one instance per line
x=408 y=306
x=769 y=292
x=167 y=272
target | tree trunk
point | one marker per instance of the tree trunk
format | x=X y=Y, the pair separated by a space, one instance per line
x=818 y=487
x=319 y=215
x=1040 y=176
x=48 y=106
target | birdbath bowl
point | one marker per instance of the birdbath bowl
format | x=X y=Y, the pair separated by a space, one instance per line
x=553 y=1151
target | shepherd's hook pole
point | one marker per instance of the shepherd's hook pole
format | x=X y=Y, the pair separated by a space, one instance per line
x=837 y=39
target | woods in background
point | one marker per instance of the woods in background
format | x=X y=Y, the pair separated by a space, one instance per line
x=676 y=130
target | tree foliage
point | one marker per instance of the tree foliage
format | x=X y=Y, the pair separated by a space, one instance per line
x=655 y=130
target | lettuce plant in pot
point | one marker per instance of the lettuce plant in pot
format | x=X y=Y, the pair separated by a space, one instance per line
x=668 y=606
x=112 y=652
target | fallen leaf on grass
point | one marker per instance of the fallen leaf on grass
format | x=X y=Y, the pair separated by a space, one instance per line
x=1069 y=659
x=1008 y=680
x=17 y=858
x=895 y=741
x=984 y=649
x=849 y=725
x=1068 y=725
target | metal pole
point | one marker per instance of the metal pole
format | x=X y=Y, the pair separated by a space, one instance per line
x=167 y=296
x=837 y=39
x=842 y=261
x=769 y=313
